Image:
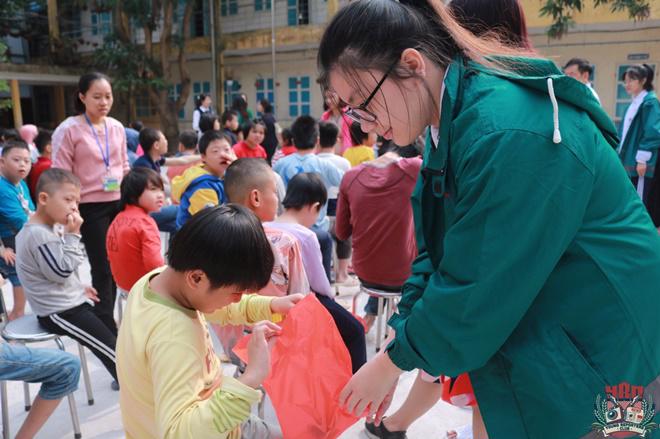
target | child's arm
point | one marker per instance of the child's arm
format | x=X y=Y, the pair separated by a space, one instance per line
x=183 y=160
x=251 y=309
x=59 y=259
x=186 y=410
x=202 y=198
x=150 y=244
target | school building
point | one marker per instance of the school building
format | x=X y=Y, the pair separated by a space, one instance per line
x=244 y=61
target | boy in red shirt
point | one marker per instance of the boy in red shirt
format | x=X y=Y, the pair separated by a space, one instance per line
x=43 y=142
x=133 y=240
x=254 y=133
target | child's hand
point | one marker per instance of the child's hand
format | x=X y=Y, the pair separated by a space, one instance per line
x=91 y=293
x=228 y=157
x=73 y=223
x=9 y=256
x=257 y=370
x=282 y=305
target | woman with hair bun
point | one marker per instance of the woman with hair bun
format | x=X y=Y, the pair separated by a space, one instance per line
x=640 y=135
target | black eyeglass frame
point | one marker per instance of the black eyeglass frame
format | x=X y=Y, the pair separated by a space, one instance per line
x=352 y=112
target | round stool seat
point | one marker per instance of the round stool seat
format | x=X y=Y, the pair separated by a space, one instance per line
x=377 y=292
x=26 y=329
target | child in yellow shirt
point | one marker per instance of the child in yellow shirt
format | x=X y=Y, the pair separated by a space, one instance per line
x=171 y=381
x=360 y=152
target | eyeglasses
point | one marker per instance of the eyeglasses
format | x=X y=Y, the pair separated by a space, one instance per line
x=360 y=113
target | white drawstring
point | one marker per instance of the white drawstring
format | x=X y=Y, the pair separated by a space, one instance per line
x=556 y=135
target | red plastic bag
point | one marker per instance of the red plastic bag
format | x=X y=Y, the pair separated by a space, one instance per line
x=310 y=365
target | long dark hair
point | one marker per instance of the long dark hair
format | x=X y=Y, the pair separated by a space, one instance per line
x=84 y=84
x=427 y=26
x=506 y=18
x=641 y=72
x=240 y=105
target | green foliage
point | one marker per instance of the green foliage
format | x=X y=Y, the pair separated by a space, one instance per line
x=4 y=86
x=561 y=12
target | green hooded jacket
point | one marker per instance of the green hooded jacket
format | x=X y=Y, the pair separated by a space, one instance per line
x=539 y=268
x=643 y=134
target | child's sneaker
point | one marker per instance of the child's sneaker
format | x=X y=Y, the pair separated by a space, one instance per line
x=381 y=432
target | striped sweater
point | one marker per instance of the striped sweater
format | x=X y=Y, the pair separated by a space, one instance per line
x=47 y=265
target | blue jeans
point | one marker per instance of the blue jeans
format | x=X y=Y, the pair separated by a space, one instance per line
x=58 y=371
x=166 y=219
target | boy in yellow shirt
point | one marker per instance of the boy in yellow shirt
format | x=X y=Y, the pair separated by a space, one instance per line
x=171 y=382
x=362 y=149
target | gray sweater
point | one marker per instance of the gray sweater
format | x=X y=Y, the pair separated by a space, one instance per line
x=47 y=265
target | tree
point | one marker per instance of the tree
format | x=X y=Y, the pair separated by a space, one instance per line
x=562 y=12
x=146 y=66
x=5 y=103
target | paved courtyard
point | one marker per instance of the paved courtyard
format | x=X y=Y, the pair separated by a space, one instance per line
x=103 y=419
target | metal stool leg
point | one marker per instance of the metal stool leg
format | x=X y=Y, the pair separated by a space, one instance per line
x=5 y=410
x=26 y=393
x=355 y=299
x=379 y=321
x=390 y=313
x=88 y=381
x=120 y=310
x=74 y=416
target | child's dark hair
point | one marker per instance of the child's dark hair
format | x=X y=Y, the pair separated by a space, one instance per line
x=358 y=137
x=328 y=133
x=207 y=122
x=43 y=139
x=188 y=139
x=227 y=116
x=287 y=137
x=245 y=175
x=14 y=144
x=641 y=72
x=266 y=105
x=582 y=65
x=8 y=134
x=53 y=178
x=137 y=125
x=148 y=136
x=84 y=84
x=248 y=125
x=305 y=132
x=305 y=189
x=136 y=182
x=228 y=244
x=209 y=137
x=240 y=106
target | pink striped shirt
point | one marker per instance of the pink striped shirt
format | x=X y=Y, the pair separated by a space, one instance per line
x=76 y=149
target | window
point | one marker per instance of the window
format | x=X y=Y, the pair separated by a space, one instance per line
x=231 y=91
x=143 y=107
x=297 y=12
x=174 y=93
x=299 y=96
x=262 y=5
x=101 y=23
x=201 y=87
x=228 y=7
x=265 y=90
x=622 y=98
x=199 y=26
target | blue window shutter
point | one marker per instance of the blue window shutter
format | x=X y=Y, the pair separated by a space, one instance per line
x=304 y=82
x=223 y=8
x=258 y=5
x=196 y=88
x=293 y=110
x=292 y=17
x=293 y=97
x=293 y=82
x=206 y=87
x=305 y=109
x=233 y=7
x=304 y=97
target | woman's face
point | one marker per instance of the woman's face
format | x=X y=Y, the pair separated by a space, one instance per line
x=402 y=106
x=633 y=86
x=98 y=99
x=207 y=102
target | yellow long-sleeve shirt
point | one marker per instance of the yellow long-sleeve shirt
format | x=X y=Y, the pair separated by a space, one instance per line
x=359 y=154
x=172 y=385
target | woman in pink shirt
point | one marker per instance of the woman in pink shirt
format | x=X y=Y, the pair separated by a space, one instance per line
x=335 y=114
x=93 y=147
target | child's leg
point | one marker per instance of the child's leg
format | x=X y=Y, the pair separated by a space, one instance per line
x=422 y=396
x=81 y=324
x=325 y=241
x=8 y=270
x=343 y=260
x=351 y=331
x=478 y=426
x=59 y=373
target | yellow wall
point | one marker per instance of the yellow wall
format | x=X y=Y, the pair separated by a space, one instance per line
x=589 y=14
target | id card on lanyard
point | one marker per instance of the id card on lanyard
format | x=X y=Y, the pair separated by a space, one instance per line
x=110 y=183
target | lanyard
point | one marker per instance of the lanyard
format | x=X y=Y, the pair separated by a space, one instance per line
x=106 y=156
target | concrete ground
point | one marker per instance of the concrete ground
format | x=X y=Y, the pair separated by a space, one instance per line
x=103 y=419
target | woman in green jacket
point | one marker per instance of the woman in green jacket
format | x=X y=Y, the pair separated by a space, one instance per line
x=539 y=268
x=640 y=134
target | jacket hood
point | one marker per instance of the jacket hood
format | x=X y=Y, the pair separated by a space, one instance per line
x=194 y=174
x=544 y=76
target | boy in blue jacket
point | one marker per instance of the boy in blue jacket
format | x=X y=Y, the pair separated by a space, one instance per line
x=201 y=186
x=15 y=207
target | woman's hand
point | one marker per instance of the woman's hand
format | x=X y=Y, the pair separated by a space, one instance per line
x=641 y=170
x=8 y=255
x=282 y=305
x=370 y=386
